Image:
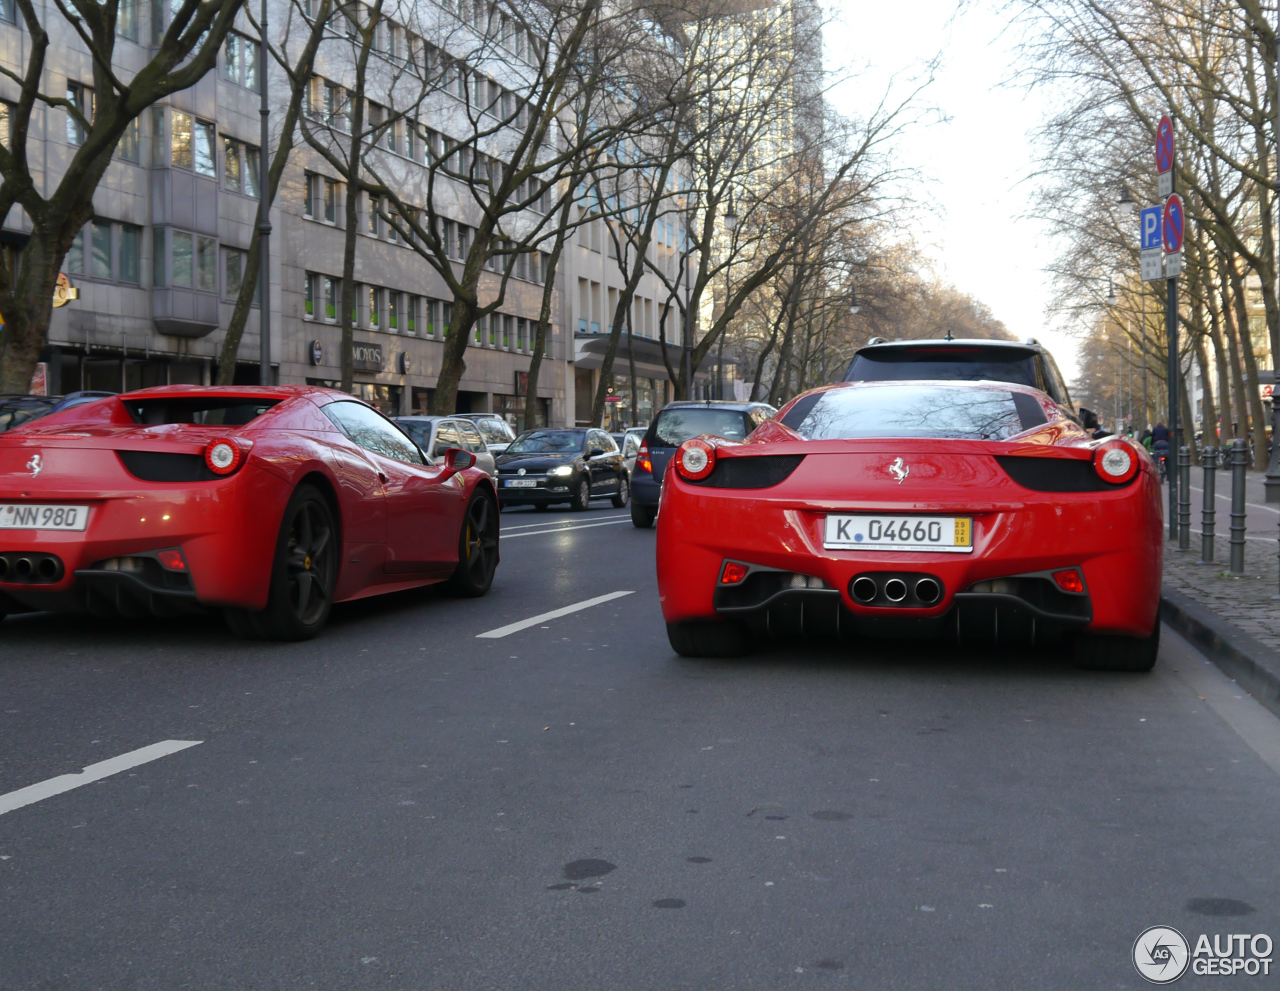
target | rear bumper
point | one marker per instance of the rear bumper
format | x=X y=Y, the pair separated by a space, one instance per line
x=226 y=530
x=1115 y=539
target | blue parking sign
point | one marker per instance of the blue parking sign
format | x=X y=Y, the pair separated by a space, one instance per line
x=1150 y=227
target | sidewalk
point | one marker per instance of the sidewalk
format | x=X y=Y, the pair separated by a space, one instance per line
x=1231 y=618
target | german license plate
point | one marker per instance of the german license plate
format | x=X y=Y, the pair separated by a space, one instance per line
x=29 y=516
x=950 y=534
x=521 y=483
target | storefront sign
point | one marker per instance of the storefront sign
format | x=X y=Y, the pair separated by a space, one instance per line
x=522 y=384
x=366 y=357
x=404 y=364
x=316 y=352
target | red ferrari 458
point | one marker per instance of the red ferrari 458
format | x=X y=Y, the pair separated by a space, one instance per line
x=974 y=510
x=269 y=503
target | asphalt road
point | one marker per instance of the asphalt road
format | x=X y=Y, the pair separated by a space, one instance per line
x=402 y=804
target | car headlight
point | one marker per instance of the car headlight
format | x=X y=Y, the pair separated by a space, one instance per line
x=562 y=470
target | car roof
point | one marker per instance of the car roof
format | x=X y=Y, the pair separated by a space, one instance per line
x=1028 y=347
x=729 y=404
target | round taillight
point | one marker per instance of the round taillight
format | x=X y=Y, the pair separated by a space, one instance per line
x=1115 y=462
x=223 y=456
x=695 y=459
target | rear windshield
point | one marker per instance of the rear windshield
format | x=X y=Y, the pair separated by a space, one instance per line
x=548 y=442
x=914 y=411
x=675 y=426
x=932 y=364
x=222 y=411
x=19 y=413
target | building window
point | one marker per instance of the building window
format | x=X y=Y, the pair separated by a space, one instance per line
x=241 y=167
x=411 y=315
x=80 y=97
x=183 y=245
x=192 y=145
x=100 y=249
x=127 y=149
x=240 y=61
x=372 y=202
x=330 y=299
x=8 y=11
x=309 y=296
x=206 y=264
x=126 y=19
x=74 y=262
x=393 y=312
x=335 y=106
x=375 y=307
x=130 y=253
x=235 y=265
x=158 y=256
x=6 y=122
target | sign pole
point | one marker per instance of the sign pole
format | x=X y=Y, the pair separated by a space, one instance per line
x=1175 y=441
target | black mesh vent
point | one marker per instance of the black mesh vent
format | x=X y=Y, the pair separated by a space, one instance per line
x=752 y=471
x=162 y=466
x=1056 y=474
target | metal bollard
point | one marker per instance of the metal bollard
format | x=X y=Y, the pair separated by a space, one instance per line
x=1184 y=498
x=1239 y=459
x=1208 y=513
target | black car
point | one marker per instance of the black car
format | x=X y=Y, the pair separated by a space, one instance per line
x=1029 y=363
x=675 y=424
x=572 y=465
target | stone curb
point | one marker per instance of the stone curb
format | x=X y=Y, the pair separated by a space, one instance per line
x=1254 y=666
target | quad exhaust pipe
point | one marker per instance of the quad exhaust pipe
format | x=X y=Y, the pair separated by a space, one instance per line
x=31 y=569
x=900 y=589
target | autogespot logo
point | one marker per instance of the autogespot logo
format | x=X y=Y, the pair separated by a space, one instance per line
x=1161 y=954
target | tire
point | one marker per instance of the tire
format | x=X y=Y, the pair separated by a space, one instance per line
x=624 y=493
x=477 y=548
x=707 y=638
x=643 y=516
x=1104 y=652
x=541 y=507
x=303 y=574
x=581 y=500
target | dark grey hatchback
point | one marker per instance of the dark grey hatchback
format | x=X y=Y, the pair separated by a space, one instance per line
x=675 y=424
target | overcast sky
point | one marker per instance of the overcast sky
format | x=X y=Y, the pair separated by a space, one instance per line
x=975 y=164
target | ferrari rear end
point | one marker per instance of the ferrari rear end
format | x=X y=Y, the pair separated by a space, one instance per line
x=138 y=505
x=973 y=512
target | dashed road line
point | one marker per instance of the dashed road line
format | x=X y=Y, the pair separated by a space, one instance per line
x=529 y=526
x=561 y=529
x=94 y=772
x=524 y=624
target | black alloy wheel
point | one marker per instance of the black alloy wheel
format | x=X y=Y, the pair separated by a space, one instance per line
x=581 y=500
x=624 y=493
x=302 y=577
x=477 y=548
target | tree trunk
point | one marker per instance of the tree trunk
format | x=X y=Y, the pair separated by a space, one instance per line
x=1208 y=411
x=1253 y=395
x=531 y=411
x=26 y=324
x=1240 y=416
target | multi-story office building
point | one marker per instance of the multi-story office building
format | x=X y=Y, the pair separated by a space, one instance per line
x=161 y=262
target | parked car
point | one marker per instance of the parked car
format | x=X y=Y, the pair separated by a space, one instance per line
x=15 y=410
x=675 y=424
x=496 y=431
x=436 y=434
x=629 y=444
x=269 y=503
x=550 y=465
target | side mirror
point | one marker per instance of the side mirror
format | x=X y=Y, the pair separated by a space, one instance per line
x=456 y=459
x=595 y=452
x=1088 y=419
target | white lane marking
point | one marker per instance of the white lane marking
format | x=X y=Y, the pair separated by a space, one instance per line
x=528 y=526
x=559 y=529
x=1226 y=497
x=524 y=624
x=1241 y=711
x=94 y=772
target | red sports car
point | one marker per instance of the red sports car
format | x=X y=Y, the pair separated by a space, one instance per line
x=269 y=503
x=926 y=509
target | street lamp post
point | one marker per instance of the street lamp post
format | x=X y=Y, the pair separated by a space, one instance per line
x=264 y=214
